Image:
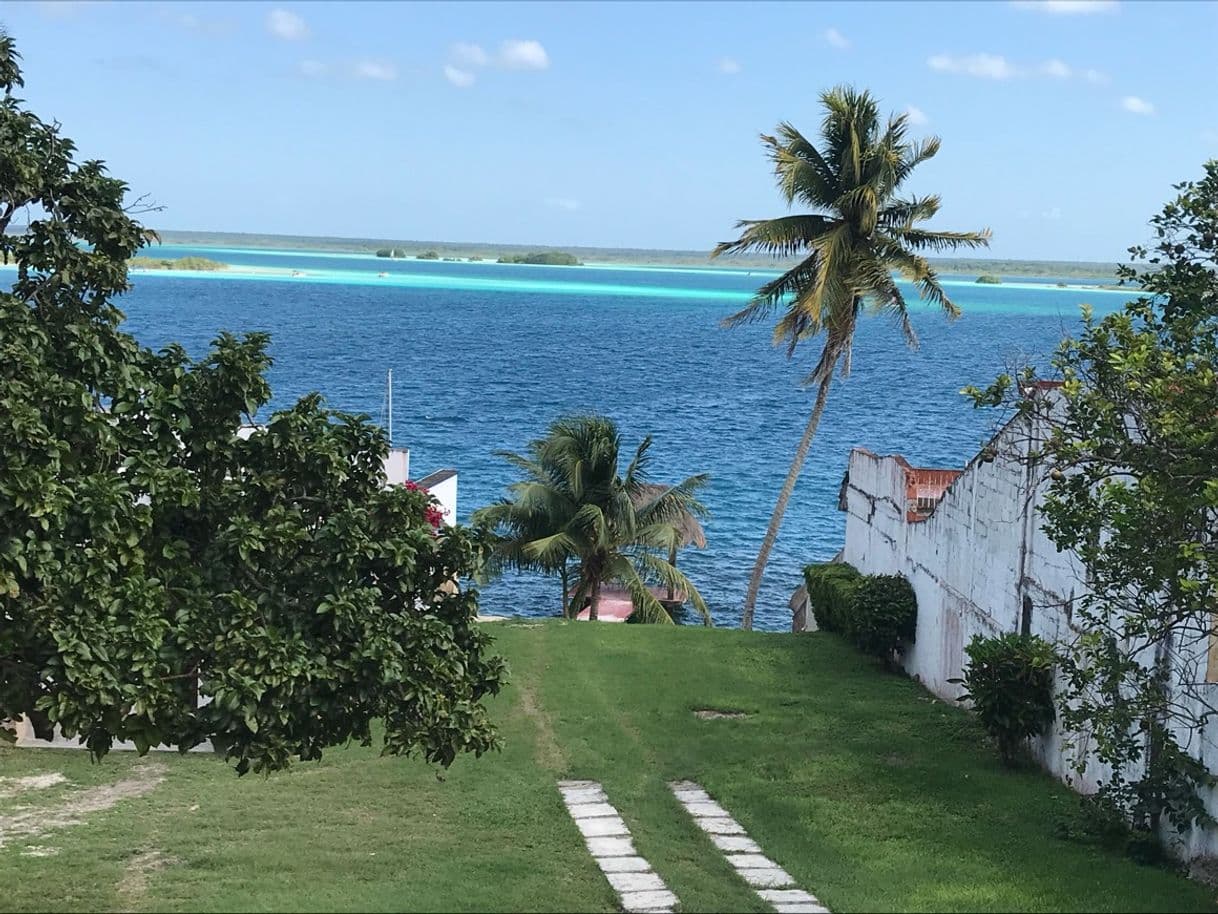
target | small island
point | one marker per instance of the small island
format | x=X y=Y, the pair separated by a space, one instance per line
x=428 y=255
x=391 y=252
x=182 y=263
x=544 y=258
x=989 y=279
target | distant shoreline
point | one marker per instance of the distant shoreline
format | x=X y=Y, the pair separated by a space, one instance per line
x=563 y=275
x=1058 y=270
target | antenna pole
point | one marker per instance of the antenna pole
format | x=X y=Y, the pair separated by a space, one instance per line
x=389 y=385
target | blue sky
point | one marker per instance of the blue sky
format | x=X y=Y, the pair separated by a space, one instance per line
x=621 y=124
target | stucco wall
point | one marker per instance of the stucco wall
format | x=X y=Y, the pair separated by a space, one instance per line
x=972 y=564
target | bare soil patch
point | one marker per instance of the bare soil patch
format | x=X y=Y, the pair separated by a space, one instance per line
x=76 y=806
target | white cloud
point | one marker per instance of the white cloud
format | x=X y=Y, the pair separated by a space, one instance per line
x=518 y=54
x=286 y=25
x=1052 y=214
x=466 y=54
x=1135 y=105
x=728 y=66
x=916 y=116
x=1057 y=69
x=462 y=79
x=376 y=69
x=994 y=66
x=563 y=203
x=983 y=66
x=836 y=38
x=63 y=9
x=1066 y=7
x=313 y=68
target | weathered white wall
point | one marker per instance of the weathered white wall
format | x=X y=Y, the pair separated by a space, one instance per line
x=397 y=465
x=443 y=488
x=972 y=563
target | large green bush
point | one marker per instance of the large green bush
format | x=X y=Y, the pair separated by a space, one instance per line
x=1009 y=680
x=883 y=614
x=831 y=587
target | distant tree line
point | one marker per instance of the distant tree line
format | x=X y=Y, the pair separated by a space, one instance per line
x=547 y=258
x=181 y=263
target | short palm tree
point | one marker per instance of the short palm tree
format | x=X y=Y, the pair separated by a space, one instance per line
x=574 y=508
x=855 y=233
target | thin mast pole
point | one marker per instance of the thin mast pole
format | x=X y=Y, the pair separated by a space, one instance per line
x=389 y=384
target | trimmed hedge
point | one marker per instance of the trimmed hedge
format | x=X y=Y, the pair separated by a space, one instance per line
x=876 y=611
x=1009 y=680
x=885 y=613
x=831 y=593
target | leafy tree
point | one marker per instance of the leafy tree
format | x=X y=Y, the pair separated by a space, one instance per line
x=148 y=553
x=856 y=232
x=575 y=510
x=1130 y=449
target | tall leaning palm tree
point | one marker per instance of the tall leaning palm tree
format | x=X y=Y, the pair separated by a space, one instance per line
x=852 y=234
x=575 y=508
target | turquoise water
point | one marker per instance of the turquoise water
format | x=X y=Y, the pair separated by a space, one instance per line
x=486 y=355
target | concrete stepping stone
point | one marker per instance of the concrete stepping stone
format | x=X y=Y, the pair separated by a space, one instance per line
x=624 y=865
x=639 y=902
x=590 y=810
x=640 y=890
x=735 y=844
x=770 y=881
x=603 y=827
x=610 y=847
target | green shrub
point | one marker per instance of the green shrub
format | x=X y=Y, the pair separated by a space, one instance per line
x=884 y=613
x=989 y=279
x=1009 y=680
x=182 y=263
x=428 y=255
x=831 y=588
x=543 y=258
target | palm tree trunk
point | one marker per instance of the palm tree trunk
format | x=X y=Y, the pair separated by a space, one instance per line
x=596 y=600
x=566 y=590
x=788 y=487
x=672 y=560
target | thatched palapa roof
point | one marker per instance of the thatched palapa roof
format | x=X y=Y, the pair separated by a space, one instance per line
x=687 y=525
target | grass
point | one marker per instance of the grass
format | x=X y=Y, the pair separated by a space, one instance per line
x=870 y=793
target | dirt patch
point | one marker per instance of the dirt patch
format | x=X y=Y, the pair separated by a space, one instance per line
x=719 y=714
x=550 y=754
x=39 y=850
x=11 y=787
x=133 y=885
x=76 y=806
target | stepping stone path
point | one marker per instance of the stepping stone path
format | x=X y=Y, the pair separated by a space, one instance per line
x=640 y=890
x=770 y=881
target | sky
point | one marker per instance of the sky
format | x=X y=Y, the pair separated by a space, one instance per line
x=1064 y=124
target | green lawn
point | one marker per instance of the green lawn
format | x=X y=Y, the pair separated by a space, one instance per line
x=871 y=794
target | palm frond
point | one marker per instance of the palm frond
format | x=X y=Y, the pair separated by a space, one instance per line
x=904 y=213
x=667 y=576
x=921 y=240
x=781 y=237
x=771 y=295
x=803 y=173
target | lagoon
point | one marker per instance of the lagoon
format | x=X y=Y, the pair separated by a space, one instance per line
x=484 y=355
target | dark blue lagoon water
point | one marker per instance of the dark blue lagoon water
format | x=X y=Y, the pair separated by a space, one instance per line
x=485 y=356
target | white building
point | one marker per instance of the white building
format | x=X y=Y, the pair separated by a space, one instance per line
x=970 y=542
